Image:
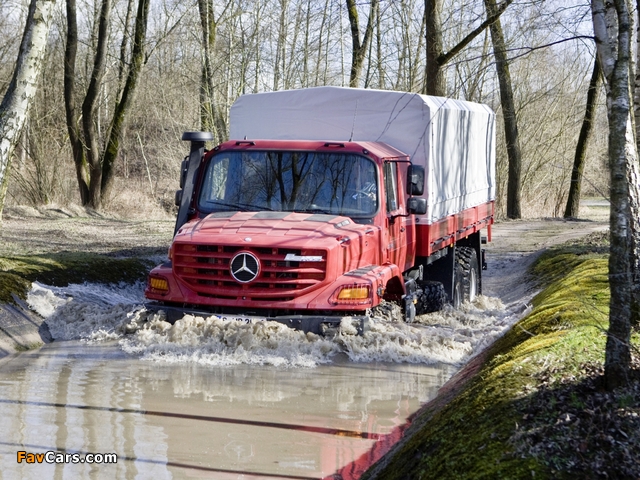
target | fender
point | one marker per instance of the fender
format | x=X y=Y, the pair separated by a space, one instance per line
x=376 y=277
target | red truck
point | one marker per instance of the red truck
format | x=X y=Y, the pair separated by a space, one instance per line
x=328 y=201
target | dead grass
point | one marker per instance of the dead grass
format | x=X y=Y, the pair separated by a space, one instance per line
x=60 y=245
x=50 y=229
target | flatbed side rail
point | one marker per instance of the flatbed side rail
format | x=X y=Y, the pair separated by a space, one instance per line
x=453 y=228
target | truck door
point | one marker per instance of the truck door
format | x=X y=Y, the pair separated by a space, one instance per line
x=396 y=219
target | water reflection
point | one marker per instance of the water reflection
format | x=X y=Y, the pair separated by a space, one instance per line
x=177 y=420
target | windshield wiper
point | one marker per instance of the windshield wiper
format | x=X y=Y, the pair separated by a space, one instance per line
x=242 y=207
x=326 y=211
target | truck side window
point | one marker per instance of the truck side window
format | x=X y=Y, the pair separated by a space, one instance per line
x=390 y=186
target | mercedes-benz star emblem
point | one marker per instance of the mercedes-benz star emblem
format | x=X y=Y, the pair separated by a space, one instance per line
x=244 y=267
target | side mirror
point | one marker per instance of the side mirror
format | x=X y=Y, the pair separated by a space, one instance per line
x=415 y=180
x=417 y=206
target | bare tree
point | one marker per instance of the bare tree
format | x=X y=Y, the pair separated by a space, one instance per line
x=72 y=116
x=359 y=46
x=573 y=199
x=94 y=164
x=514 y=183
x=126 y=98
x=612 y=28
x=211 y=118
x=435 y=83
x=14 y=109
x=437 y=58
x=90 y=105
x=279 y=63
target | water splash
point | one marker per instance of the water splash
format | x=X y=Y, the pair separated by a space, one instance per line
x=93 y=312
x=97 y=313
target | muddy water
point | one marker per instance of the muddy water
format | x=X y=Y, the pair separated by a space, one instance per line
x=168 y=420
x=209 y=398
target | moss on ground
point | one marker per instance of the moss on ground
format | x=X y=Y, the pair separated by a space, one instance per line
x=60 y=269
x=473 y=436
x=29 y=346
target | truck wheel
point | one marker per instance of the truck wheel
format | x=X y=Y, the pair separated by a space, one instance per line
x=432 y=299
x=469 y=270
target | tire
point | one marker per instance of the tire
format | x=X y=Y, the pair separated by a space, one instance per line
x=432 y=299
x=468 y=270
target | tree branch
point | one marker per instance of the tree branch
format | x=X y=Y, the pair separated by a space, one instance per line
x=444 y=58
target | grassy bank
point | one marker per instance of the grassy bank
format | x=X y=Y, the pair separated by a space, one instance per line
x=535 y=409
x=62 y=268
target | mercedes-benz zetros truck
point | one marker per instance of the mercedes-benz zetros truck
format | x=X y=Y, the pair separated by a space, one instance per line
x=327 y=201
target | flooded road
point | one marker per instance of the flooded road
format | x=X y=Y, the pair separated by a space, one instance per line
x=207 y=398
x=167 y=420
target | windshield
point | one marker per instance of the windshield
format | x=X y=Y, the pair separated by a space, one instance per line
x=324 y=182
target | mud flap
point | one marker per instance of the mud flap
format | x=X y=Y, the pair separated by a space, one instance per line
x=443 y=271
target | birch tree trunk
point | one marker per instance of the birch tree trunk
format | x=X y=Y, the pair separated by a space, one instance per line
x=612 y=28
x=633 y=175
x=634 y=197
x=14 y=109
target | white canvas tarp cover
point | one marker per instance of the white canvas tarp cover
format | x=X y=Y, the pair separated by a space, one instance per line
x=454 y=140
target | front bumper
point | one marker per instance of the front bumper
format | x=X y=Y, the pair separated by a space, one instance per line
x=318 y=324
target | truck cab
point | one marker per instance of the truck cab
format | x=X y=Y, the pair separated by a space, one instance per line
x=298 y=231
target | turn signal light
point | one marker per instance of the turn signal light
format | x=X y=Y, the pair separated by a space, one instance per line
x=159 y=285
x=354 y=294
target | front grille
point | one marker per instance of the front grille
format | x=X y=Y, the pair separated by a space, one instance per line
x=206 y=269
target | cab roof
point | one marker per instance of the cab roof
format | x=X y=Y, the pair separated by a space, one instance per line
x=378 y=150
